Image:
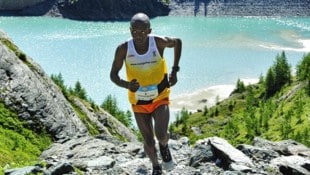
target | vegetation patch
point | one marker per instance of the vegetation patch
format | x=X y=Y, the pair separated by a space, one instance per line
x=277 y=108
x=20 y=146
x=22 y=56
x=90 y=125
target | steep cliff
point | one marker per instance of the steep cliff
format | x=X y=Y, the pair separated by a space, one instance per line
x=26 y=88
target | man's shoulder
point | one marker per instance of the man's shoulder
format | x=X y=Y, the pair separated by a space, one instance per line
x=123 y=45
x=122 y=48
x=157 y=36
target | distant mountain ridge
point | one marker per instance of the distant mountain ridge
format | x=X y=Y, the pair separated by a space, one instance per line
x=111 y=10
x=94 y=10
x=240 y=8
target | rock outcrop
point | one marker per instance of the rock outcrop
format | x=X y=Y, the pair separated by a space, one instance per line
x=26 y=88
x=93 y=10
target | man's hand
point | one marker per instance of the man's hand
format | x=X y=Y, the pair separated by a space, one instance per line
x=173 y=78
x=133 y=85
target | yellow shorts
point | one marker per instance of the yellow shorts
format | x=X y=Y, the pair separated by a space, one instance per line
x=149 y=108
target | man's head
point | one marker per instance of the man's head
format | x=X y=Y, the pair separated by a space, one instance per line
x=140 y=27
x=140 y=18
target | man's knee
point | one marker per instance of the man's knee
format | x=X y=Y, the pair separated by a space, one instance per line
x=162 y=136
x=149 y=142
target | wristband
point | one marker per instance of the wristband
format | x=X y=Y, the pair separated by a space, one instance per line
x=175 y=68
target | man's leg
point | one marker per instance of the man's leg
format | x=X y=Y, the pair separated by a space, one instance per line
x=144 y=122
x=161 y=117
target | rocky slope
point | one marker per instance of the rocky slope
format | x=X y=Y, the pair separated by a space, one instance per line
x=26 y=88
x=37 y=100
x=105 y=155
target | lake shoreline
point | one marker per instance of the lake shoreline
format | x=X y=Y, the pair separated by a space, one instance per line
x=205 y=97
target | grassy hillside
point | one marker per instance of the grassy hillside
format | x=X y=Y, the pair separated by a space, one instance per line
x=19 y=145
x=250 y=112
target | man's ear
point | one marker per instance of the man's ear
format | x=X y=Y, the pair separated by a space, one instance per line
x=150 y=30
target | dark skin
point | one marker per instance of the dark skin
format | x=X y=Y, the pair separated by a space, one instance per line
x=140 y=29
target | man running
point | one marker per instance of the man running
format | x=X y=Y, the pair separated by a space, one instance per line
x=148 y=84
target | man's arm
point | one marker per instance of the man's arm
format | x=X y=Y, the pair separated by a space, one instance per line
x=119 y=57
x=118 y=62
x=175 y=43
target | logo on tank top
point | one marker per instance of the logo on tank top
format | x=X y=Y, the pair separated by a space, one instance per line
x=130 y=56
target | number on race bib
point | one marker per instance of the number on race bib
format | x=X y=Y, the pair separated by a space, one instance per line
x=147 y=93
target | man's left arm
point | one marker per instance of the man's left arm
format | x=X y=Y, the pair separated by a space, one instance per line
x=175 y=43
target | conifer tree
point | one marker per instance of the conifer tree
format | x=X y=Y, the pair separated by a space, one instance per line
x=240 y=87
x=205 y=110
x=303 y=71
x=270 y=83
x=282 y=71
x=110 y=105
x=59 y=81
x=80 y=91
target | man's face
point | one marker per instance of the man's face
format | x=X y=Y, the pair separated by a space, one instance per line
x=139 y=32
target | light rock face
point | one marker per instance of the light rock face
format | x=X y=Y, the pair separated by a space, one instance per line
x=34 y=96
x=17 y=4
x=25 y=87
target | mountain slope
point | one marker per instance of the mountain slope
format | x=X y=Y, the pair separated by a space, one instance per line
x=249 y=113
x=70 y=136
x=30 y=100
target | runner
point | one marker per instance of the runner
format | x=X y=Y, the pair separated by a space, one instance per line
x=148 y=84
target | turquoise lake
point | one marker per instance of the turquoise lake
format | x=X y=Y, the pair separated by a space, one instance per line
x=216 y=51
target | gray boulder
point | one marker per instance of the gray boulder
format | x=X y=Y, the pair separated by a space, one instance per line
x=292 y=164
x=230 y=157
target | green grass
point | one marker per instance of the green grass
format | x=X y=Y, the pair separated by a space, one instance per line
x=243 y=116
x=90 y=125
x=20 y=146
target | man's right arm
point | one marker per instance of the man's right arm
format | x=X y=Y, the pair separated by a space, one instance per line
x=120 y=56
x=118 y=62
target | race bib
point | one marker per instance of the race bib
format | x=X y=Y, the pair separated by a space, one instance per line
x=147 y=93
